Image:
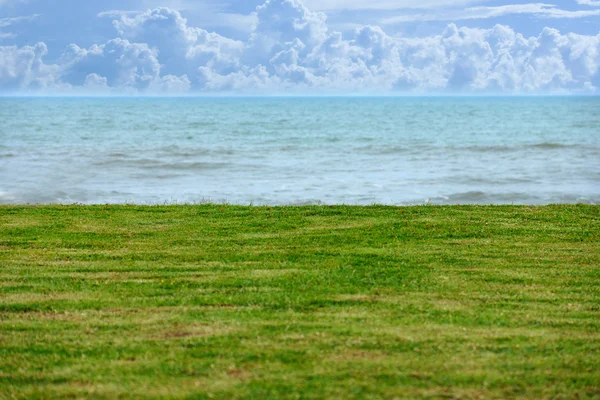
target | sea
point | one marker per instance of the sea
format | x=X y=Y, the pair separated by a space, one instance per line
x=300 y=150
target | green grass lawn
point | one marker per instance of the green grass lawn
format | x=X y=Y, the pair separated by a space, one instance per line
x=341 y=302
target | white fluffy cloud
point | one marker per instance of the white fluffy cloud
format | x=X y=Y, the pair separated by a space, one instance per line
x=183 y=49
x=121 y=63
x=291 y=48
x=23 y=69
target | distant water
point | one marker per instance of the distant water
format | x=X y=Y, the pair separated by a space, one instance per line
x=300 y=150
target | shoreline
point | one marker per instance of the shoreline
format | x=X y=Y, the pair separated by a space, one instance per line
x=284 y=206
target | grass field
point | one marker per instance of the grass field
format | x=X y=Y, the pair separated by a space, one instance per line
x=341 y=302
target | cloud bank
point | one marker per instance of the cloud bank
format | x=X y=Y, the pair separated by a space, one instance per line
x=290 y=49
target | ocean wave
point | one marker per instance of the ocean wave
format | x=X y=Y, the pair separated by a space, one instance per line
x=121 y=155
x=471 y=196
x=382 y=150
x=157 y=164
x=203 y=124
x=184 y=166
x=481 y=197
x=177 y=151
x=485 y=149
x=158 y=176
x=511 y=148
x=484 y=180
x=291 y=148
x=420 y=148
x=553 y=146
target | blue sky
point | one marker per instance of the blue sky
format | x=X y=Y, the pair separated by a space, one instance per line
x=304 y=46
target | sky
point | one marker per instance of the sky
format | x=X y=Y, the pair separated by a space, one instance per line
x=321 y=47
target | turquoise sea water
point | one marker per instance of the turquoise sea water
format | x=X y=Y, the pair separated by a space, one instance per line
x=300 y=150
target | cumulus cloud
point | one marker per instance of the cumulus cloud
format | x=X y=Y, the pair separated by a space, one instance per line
x=183 y=49
x=291 y=49
x=23 y=69
x=171 y=84
x=95 y=81
x=121 y=63
x=284 y=21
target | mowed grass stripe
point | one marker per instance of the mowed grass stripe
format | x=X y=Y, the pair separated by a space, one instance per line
x=231 y=302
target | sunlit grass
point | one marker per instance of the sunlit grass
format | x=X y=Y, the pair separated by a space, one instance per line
x=215 y=301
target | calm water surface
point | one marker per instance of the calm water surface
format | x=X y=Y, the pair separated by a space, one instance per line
x=300 y=150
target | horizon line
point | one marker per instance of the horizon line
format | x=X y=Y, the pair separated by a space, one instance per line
x=233 y=95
